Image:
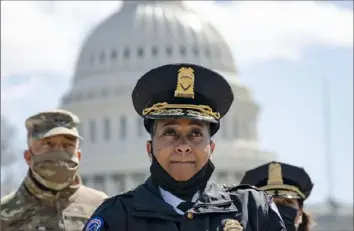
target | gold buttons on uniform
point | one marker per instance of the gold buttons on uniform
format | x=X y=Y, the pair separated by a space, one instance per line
x=190 y=215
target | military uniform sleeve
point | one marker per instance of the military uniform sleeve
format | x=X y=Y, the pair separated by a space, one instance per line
x=109 y=216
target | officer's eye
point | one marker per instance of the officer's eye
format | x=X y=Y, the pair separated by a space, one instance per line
x=196 y=133
x=49 y=143
x=68 y=145
x=170 y=132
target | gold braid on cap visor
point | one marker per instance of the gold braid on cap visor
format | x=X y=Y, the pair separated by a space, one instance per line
x=283 y=188
x=173 y=109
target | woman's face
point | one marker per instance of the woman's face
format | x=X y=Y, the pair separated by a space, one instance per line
x=181 y=146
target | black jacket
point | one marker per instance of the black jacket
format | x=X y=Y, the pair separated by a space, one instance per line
x=143 y=209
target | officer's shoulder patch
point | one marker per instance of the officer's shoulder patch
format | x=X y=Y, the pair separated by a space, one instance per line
x=235 y=187
x=94 y=224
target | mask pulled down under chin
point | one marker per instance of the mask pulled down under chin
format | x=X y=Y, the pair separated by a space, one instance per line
x=55 y=170
x=182 y=189
x=289 y=215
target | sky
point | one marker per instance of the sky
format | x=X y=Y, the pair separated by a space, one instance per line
x=283 y=51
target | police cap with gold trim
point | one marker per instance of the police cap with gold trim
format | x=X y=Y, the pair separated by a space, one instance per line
x=281 y=180
x=182 y=91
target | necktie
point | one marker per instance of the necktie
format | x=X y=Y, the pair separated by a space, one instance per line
x=185 y=206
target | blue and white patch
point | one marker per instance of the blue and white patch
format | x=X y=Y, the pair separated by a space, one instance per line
x=95 y=224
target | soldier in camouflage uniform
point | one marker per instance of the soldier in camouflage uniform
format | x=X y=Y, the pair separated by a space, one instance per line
x=51 y=196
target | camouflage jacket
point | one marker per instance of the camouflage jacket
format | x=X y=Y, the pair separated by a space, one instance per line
x=31 y=208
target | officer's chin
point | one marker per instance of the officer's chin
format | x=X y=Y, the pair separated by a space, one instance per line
x=182 y=178
x=183 y=171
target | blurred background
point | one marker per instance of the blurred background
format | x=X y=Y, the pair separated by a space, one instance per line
x=290 y=65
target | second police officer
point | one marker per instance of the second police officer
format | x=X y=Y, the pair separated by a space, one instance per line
x=290 y=186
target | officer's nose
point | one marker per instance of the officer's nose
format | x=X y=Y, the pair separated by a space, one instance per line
x=183 y=149
x=58 y=147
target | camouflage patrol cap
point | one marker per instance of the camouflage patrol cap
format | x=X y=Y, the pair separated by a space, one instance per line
x=51 y=123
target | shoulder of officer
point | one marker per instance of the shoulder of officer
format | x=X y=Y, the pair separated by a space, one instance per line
x=235 y=187
x=253 y=200
x=128 y=193
x=107 y=204
x=106 y=213
x=112 y=203
x=246 y=192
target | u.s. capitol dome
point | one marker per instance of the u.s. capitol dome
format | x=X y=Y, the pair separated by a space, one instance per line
x=140 y=36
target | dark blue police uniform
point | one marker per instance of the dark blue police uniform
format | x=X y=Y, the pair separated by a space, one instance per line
x=197 y=93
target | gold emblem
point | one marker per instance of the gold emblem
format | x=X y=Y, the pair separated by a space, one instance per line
x=275 y=176
x=190 y=216
x=185 y=83
x=232 y=225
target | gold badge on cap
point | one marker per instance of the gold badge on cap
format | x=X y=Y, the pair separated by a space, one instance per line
x=185 y=83
x=275 y=176
x=232 y=225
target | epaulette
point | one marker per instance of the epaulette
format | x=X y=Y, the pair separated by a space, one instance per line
x=235 y=187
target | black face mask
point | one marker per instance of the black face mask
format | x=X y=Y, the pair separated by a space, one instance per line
x=182 y=189
x=289 y=215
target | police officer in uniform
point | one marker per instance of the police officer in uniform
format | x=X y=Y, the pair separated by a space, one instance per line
x=51 y=197
x=290 y=186
x=182 y=105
